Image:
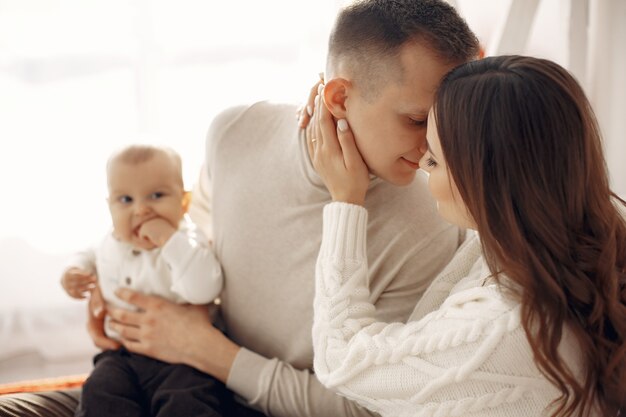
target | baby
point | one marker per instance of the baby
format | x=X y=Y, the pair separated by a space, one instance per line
x=155 y=249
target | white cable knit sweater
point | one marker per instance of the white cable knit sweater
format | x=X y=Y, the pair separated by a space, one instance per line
x=462 y=353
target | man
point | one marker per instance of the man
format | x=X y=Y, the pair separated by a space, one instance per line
x=263 y=199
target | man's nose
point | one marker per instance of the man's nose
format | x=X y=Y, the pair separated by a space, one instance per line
x=423 y=146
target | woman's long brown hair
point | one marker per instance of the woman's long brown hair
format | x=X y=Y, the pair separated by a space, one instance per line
x=523 y=146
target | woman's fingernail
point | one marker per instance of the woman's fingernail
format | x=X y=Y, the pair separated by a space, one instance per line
x=342 y=125
x=320 y=88
x=309 y=110
x=317 y=99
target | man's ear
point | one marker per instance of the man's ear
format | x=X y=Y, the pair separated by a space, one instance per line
x=186 y=200
x=335 y=94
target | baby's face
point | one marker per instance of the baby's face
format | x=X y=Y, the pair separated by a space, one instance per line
x=144 y=191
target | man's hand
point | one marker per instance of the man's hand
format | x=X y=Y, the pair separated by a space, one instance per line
x=173 y=333
x=95 y=322
x=156 y=232
x=78 y=283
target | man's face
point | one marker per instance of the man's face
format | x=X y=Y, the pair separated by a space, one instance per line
x=390 y=125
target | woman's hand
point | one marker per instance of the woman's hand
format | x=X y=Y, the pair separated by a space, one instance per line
x=336 y=157
x=305 y=113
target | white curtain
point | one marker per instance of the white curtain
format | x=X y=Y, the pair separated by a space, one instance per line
x=586 y=36
x=79 y=78
x=606 y=82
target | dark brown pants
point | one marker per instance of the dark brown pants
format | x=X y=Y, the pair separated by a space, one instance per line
x=127 y=384
x=170 y=390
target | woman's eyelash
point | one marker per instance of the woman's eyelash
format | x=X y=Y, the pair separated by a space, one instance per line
x=431 y=162
x=418 y=122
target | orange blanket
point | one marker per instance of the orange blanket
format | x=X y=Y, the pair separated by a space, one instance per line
x=47 y=384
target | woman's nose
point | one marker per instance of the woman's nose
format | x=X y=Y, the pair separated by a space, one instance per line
x=422 y=162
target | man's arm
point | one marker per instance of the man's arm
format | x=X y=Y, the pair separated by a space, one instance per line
x=278 y=389
x=184 y=334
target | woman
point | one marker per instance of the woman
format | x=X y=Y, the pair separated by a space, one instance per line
x=529 y=318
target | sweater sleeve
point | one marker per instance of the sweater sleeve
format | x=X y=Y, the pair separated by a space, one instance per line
x=196 y=272
x=435 y=364
x=278 y=389
x=85 y=260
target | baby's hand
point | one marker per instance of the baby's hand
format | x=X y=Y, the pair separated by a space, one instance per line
x=78 y=282
x=156 y=232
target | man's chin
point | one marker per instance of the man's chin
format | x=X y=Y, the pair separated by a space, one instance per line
x=401 y=180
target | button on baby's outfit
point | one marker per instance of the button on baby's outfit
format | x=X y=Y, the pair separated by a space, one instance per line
x=136 y=252
x=128 y=280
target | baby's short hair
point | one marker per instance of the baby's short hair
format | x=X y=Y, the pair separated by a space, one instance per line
x=138 y=153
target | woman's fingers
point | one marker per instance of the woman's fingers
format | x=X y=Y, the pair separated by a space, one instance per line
x=312 y=135
x=326 y=126
x=306 y=111
x=351 y=155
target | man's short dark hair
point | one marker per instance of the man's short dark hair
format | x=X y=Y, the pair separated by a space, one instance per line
x=370 y=33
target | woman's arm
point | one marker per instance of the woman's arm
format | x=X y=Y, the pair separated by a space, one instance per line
x=441 y=364
x=444 y=361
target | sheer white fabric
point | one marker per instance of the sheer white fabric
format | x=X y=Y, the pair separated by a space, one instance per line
x=80 y=78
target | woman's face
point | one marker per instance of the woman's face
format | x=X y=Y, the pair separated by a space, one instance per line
x=440 y=183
